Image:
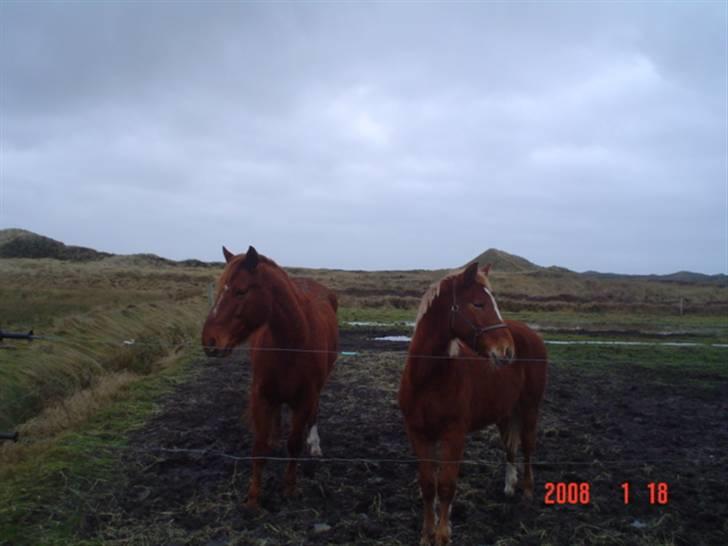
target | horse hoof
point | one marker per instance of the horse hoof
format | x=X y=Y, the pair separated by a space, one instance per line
x=443 y=534
x=425 y=540
x=442 y=540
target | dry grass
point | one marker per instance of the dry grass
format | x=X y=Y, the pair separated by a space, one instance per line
x=41 y=431
x=89 y=310
x=545 y=290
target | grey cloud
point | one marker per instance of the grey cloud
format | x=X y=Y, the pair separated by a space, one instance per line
x=371 y=135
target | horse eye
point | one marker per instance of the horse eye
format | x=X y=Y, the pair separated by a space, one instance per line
x=240 y=293
x=478 y=305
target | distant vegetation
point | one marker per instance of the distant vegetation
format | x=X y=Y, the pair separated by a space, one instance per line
x=93 y=301
x=502 y=261
x=19 y=243
x=520 y=284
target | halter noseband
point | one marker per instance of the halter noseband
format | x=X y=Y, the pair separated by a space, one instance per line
x=477 y=332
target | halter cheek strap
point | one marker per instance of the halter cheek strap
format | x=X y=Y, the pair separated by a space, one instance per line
x=477 y=332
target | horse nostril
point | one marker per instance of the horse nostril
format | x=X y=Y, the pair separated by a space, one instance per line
x=496 y=358
x=501 y=357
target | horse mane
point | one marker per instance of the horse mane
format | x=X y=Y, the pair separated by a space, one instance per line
x=434 y=291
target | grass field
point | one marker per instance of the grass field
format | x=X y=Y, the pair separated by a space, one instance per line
x=159 y=467
x=100 y=318
x=124 y=331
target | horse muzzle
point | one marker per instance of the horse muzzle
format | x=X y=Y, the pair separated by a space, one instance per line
x=502 y=358
x=211 y=348
x=213 y=351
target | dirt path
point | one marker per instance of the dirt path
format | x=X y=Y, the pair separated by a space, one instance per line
x=595 y=428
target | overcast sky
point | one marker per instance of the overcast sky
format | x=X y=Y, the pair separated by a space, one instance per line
x=371 y=136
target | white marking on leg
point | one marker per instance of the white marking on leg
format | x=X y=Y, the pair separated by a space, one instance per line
x=314 y=442
x=511 y=479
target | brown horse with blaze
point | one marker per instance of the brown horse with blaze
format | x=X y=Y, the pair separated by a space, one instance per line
x=293 y=334
x=466 y=369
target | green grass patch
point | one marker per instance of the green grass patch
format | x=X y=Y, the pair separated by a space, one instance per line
x=374 y=314
x=89 y=310
x=44 y=500
x=84 y=346
x=701 y=366
x=709 y=325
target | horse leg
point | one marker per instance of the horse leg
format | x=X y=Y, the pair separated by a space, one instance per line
x=528 y=441
x=276 y=427
x=424 y=451
x=262 y=417
x=312 y=440
x=451 y=451
x=510 y=432
x=300 y=419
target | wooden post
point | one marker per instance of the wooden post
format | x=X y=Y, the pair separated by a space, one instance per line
x=681 y=306
x=210 y=288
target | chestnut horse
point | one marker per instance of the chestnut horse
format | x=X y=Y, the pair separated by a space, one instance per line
x=293 y=333
x=466 y=369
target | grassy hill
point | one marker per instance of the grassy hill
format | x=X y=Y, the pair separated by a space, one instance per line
x=504 y=262
x=522 y=286
x=19 y=243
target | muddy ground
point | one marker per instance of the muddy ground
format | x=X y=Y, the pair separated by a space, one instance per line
x=629 y=425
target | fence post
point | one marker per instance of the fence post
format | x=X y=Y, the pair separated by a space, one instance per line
x=681 y=306
x=210 y=293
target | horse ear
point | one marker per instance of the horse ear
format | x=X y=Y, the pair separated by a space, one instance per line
x=470 y=273
x=251 y=259
x=228 y=255
x=485 y=270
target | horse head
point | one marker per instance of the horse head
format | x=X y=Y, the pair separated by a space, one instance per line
x=474 y=316
x=243 y=303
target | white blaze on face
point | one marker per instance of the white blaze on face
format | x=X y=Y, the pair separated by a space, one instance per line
x=219 y=299
x=314 y=442
x=495 y=305
x=511 y=479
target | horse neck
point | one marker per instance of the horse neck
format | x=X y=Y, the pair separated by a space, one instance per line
x=431 y=339
x=287 y=322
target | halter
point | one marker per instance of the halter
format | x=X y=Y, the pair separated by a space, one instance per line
x=477 y=332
